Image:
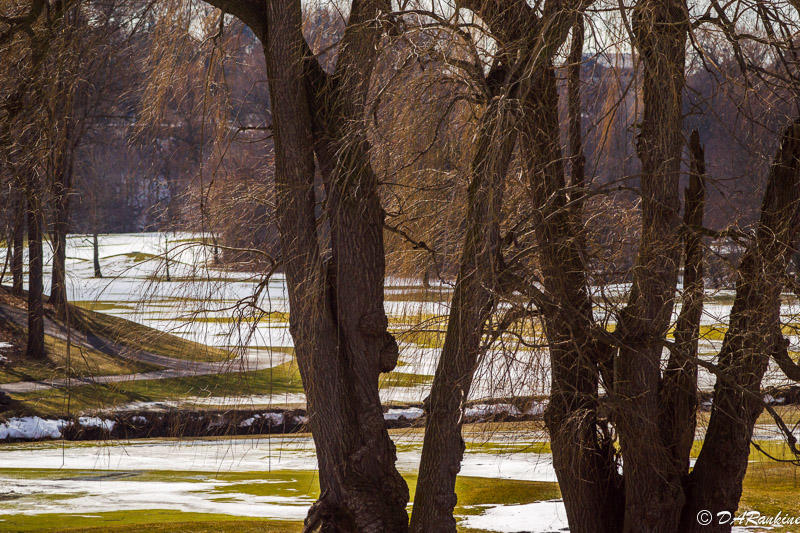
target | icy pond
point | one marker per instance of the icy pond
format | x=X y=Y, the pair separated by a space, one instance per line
x=273 y=477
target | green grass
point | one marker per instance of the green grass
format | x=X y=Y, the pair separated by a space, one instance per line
x=104 y=305
x=473 y=492
x=148 y=520
x=82 y=362
x=137 y=336
x=423 y=339
x=281 y=379
x=416 y=294
x=273 y=316
x=403 y=379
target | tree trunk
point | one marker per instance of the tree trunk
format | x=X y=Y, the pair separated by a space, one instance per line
x=337 y=318
x=7 y=258
x=473 y=301
x=653 y=491
x=61 y=192
x=374 y=491
x=715 y=484
x=583 y=461
x=35 y=349
x=166 y=257
x=96 y=256
x=678 y=395
x=18 y=236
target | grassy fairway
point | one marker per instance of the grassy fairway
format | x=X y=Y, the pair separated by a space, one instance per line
x=281 y=379
x=139 y=337
x=81 y=361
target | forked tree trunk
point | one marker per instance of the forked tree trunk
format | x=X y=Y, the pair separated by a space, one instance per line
x=370 y=480
x=337 y=317
x=35 y=348
x=527 y=43
x=715 y=483
x=583 y=460
x=653 y=491
x=18 y=239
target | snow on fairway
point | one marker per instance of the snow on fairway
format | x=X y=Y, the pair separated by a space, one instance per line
x=254 y=454
x=101 y=495
x=538 y=517
x=201 y=309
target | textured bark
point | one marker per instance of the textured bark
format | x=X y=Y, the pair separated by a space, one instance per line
x=311 y=320
x=337 y=318
x=584 y=463
x=526 y=45
x=653 y=491
x=575 y=136
x=18 y=236
x=715 y=483
x=35 y=348
x=473 y=301
x=679 y=383
x=357 y=217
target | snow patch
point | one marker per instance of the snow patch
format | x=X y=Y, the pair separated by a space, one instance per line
x=410 y=413
x=31 y=427
x=95 y=422
x=769 y=399
x=536 y=409
x=538 y=517
x=483 y=409
x=112 y=495
x=275 y=419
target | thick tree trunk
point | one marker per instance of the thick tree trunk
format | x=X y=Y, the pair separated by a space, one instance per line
x=96 y=256
x=653 y=491
x=337 y=317
x=473 y=301
x=18 y=236
x=584 y=462
x=35 y=349
x=753 y=334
